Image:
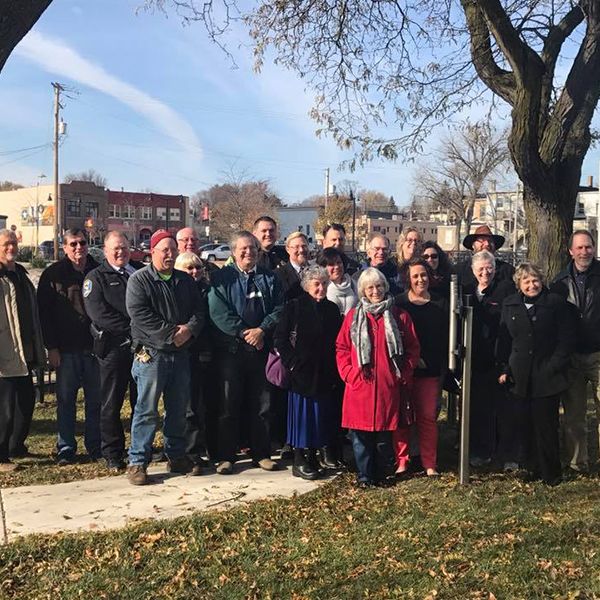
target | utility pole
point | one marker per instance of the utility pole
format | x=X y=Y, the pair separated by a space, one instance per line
x=326 y=187
x=353 y=199
x=58 y=216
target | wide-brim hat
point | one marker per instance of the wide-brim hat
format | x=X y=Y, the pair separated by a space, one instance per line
x=481 y=231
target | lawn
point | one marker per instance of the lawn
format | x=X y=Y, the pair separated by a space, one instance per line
x=497 y=538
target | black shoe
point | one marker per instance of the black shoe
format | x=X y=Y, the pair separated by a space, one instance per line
x=286 y=453
x=20 y=452
x=328 y=458
x=200 y=466
x=305 y=472
x=116 y=465
x=62 y=460
x=179 y=465
x=364 y=485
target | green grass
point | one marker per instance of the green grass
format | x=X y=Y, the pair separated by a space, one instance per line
x=422 y=539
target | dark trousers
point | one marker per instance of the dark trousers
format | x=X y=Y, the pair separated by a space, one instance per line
x=485 y=391
x=17 y=400
x=244 y=393
x=539 y=428
x=195 y=433
x=373 y=454
x=115 y=378
x=510 y=438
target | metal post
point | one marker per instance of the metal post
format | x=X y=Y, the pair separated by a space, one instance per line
x=453 y=326
x=353 y=198
x=466 y=397
x=58 y=212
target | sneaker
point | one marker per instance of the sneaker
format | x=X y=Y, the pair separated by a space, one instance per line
x=9 y=467
x=510 y=467
x=266 y=464
x=137 y=475
x=179 y=465
x=115 y=465
x=225 y=467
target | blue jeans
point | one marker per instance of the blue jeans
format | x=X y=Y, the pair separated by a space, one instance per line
x=167 y=373
x=373 y=454
x=77 y=370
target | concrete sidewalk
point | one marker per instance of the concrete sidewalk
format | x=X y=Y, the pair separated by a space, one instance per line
x=112 y=502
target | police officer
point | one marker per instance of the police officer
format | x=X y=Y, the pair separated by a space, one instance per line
x=104 y=298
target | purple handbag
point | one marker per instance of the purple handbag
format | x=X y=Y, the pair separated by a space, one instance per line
x=276 y=372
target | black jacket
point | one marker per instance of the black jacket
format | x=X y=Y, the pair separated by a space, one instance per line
x=290 y=282
x=274 y=258
x=156 y=307
x=65 y=323
x=104 y=300
x=586 y=308
x=534 y=349
x=311 y=357
x=486 y=321
x=504 y=272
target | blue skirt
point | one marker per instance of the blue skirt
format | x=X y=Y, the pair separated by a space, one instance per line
x=311 y=421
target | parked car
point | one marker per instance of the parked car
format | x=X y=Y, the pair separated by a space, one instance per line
x=140 y=254
x=46 y=250
x=214 y=252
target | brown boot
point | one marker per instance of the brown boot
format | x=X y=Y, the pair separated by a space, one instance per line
x=137 y=475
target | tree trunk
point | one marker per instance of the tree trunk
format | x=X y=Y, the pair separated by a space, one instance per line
x=550 y=223
x=17 y=17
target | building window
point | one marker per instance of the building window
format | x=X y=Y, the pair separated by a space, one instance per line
x=146 y=213
x=127 y=212
x=174 y=214
x=114 y=211
x=376 y=227
x=92 y=209
x=161 y=213
x=74 y=207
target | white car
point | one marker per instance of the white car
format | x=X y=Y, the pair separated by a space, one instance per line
x=215 y=252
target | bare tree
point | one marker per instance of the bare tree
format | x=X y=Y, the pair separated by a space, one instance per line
x=89 y=175
x=467 y=157
x=8 y=186
x=407 y=66
x=236 y=204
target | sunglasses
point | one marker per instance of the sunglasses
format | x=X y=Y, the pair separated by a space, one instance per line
x=430 y=256
x=76 y=243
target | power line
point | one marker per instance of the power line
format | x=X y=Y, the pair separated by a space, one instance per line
x=8 y=152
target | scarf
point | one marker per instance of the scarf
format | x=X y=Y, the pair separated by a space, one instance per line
x=359 y=332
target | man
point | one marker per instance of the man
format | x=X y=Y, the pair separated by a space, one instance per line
x=245 y=302
x=334 y=236
x=66 y=329
x=104 y=300
x=378 y=256
x=21 y=350
x=188 y=241
x=166 y=313
x=579 y=283
x=296 y=246
x=270 y=255
x=483 y=239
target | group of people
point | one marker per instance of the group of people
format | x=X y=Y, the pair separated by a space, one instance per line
x=363 y=346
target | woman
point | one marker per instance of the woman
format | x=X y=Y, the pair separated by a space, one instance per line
x=305 y=338
x=534 y=346
x=342 y=288
x=439 y=266
x=408 y=245
x=200 y=359
x=430 y=317
x=486 y=297
x=377 y=351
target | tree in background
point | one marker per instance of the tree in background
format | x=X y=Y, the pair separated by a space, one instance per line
x=9 y=186
x=408 y=66
x=89 y=175
x=236 y=204
x=459 y=168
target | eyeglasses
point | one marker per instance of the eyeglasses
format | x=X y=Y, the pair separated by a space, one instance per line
x=76 y=243
x=430 y=256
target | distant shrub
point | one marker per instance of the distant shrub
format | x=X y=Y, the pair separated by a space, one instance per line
x=25 y=254
x=38 y=262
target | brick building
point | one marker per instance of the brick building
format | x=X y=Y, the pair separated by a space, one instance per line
x=139 y=214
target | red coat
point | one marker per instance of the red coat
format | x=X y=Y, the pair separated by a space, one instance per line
x=374 y=404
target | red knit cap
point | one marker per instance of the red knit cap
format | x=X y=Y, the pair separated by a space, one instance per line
x=159 y=235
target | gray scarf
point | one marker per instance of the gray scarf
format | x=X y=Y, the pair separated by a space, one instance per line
x=359 y=332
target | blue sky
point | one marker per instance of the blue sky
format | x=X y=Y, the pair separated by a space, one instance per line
x=157 y=106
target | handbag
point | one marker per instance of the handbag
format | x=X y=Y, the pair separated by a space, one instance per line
x=276 y=372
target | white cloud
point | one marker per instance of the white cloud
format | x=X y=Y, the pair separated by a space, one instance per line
x=56 y=57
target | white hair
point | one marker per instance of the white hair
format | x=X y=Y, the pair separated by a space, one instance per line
x=371 y=276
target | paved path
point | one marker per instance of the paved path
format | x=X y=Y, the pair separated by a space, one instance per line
x=112 y=502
